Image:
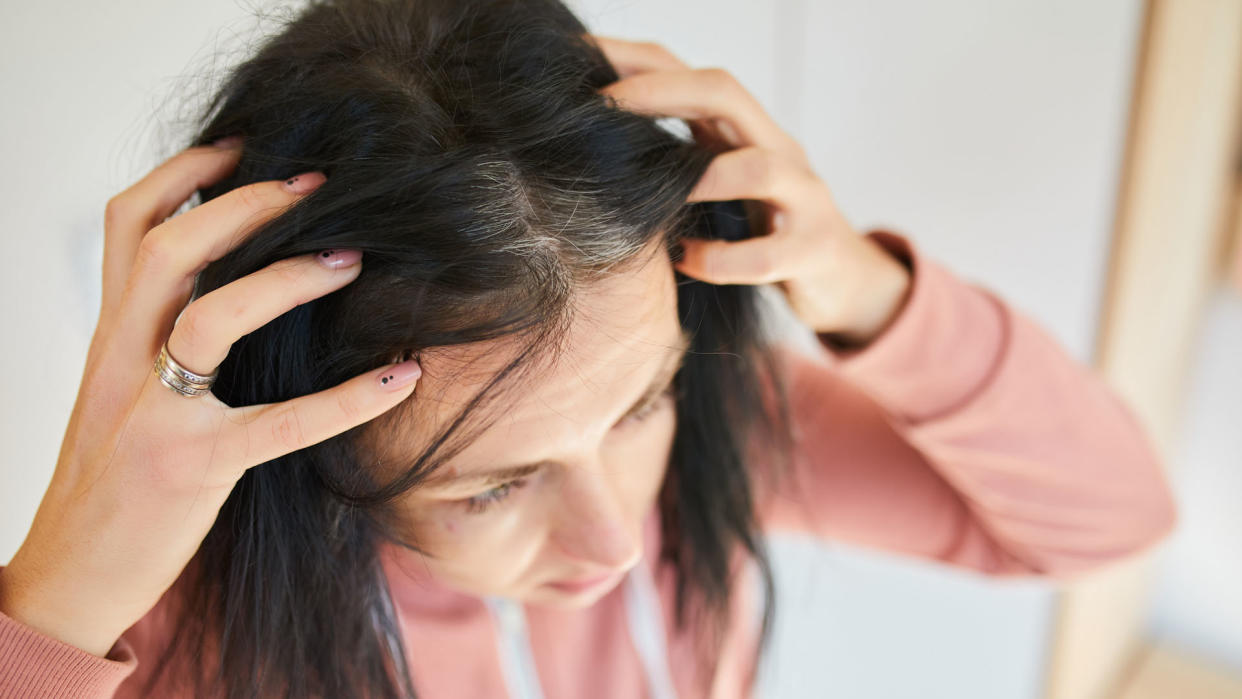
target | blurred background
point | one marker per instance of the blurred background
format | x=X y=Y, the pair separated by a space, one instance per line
x=1079 y=158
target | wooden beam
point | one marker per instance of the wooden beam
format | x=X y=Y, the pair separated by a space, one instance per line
x=1164 y=671
x=1173 y=206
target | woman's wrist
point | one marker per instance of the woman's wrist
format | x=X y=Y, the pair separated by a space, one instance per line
x=49 y=620
x=881 y=287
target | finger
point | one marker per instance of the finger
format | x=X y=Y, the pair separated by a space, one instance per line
x=703 y=94
x=754 y=173
x=143 y=205
x=209 y=326
x=632 y=57
x=259 y=433
x=173 y=252
x=764 y=260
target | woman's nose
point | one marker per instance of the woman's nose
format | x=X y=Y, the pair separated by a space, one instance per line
x=592 y=525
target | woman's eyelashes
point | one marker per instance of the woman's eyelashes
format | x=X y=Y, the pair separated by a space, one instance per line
x=665 y=399
x=487 y=498
x=480 y=503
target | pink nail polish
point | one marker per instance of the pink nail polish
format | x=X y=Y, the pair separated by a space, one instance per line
x=400 y=375
x=339 y=257
x=305 y=182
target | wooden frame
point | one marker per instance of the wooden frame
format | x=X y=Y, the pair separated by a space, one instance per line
x=1176 y=198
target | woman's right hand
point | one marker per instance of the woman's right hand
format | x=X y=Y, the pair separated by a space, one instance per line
x=143 y=471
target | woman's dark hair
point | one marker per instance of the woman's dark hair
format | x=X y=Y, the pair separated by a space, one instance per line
x=470 y=157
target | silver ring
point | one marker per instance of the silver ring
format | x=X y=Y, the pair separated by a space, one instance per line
x=180 y=379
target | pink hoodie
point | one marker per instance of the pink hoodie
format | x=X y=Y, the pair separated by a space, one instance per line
x=963 y=434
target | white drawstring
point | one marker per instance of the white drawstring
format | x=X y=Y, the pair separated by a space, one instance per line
x=646 y=626
x=517 y=661
x=642 y=606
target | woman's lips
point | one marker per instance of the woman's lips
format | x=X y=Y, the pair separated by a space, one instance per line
x=584 y=584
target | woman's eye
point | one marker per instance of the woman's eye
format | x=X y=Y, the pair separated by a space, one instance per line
x=660 y=401
x=482 y=501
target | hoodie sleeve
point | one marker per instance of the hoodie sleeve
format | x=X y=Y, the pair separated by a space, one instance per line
x=965 y=434
x=33 y=664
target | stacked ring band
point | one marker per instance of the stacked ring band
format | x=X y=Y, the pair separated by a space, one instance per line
x=180 y=379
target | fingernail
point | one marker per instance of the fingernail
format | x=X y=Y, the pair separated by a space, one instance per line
x=400 y=375
x=339 y=257
x=228 y=142
x=305 y=182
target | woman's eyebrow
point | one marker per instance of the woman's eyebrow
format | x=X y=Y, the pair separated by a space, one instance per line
x=668 y=371
x=482 y=478
x=676 y=355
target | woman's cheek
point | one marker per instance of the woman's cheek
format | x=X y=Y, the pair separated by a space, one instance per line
x=440 y=526
x=466 y=540
x=664 y=449
x=643 y=458
x=452 y=528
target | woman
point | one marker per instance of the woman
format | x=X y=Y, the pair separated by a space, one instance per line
x=478 y=405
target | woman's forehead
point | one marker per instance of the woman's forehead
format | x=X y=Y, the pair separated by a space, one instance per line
x=620 y=334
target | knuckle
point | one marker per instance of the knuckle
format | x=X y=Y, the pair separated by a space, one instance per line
x=795 y=149
x=660 y=51
x=763 y=261
x=154 y=252
x=118 y=211
x=811 y=187
x=718 y=78
x=289 y=271
x=287 y=429
x=249 y=197
x=254 y=197
x=761 y=169
x=195 y=326
x=350 y=405
x=710 y=263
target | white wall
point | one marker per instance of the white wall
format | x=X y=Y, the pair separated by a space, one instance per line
x=80 y=85
x=989 y=131
x=1198 y=595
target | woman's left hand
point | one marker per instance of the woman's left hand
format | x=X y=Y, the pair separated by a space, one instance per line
x=837 y=281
